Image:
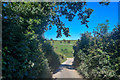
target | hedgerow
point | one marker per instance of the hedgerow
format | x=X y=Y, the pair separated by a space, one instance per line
x=23 y=53
x=97 y=57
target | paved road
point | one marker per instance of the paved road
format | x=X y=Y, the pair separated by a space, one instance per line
x=67 y=71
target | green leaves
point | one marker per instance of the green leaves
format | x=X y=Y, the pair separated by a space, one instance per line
x=22 y=40
x=97 y=58
x=23 y=26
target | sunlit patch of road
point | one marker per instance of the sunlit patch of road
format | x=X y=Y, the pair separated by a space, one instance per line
x=66 y=70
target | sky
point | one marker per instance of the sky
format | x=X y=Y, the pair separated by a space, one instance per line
x=99 y=15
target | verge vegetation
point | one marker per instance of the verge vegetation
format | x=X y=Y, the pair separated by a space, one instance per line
x=98 y=57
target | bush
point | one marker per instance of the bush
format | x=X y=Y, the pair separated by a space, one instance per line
x=96 y=65
x=98 y=57
x=51 y=56
x=22 y=54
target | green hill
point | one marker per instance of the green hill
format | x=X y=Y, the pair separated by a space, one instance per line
x=63 y=48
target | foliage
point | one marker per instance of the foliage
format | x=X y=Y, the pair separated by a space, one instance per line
x=23 y=26
x=52 y=57
x=70 y=10
x=51 y=39
x=60 y=41
x=68 y=41
x=101 y=29
x=97 y=57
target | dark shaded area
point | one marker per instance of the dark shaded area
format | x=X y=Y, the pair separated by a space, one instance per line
x=67 y=66
x=56 y=79
x=68 y=79
x=63 y=66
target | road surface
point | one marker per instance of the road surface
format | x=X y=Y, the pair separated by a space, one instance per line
x=67 y=71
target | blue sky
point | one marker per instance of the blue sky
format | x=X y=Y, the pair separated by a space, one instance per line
x=99 y=15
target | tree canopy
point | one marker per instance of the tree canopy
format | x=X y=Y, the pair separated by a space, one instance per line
x=24 y=48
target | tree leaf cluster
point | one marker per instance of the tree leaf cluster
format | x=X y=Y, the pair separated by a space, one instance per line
x=24 y=55
x=97 y=57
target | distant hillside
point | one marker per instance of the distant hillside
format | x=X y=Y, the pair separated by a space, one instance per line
x=64 y=48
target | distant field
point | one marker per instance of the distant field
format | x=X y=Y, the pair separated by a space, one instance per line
x=64 y=47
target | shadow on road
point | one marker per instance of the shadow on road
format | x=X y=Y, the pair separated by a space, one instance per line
x=67 y=66
x=66 y=71
x=63 y=66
